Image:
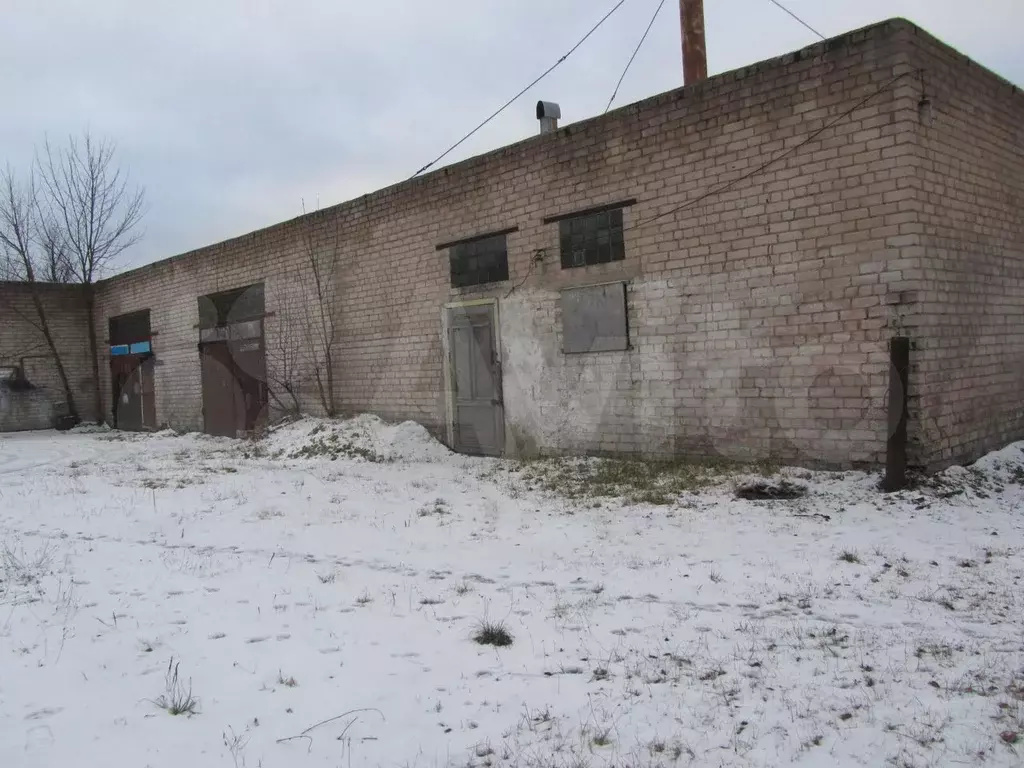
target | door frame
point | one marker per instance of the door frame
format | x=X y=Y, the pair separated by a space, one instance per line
x=449 y=373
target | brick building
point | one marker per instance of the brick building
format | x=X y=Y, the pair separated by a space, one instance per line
x=717 y=270
x=31 y=392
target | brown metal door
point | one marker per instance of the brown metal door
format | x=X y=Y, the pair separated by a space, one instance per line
x=126 y=379
x=251 y=375
x=479 y=418
x=148 y=394
x=219 y=411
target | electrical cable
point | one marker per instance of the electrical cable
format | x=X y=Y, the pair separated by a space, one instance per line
x=781 y=155
x=784 y=8
x=635 y=52
x=508 y=103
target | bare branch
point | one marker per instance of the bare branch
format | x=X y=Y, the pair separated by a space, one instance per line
x=19 y=246
x=91 y=209
x=17 y=226
x=89 y=216
x=305 y=733
x=321 y=310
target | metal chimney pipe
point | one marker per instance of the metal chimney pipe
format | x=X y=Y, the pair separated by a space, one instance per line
x=548 y=113
x=695 y=56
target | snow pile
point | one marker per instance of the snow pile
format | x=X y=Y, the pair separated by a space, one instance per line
x=364 y=437
x=989 y=474
x=1004 y=464
x=410 y=441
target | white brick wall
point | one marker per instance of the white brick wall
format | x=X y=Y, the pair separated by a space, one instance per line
x=759 y=316
x=23 y=344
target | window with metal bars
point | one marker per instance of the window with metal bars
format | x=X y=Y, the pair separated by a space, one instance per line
x=593 y=238
x=476 y=262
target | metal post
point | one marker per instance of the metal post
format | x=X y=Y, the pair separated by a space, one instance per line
x=695 y=57
x=896 y=445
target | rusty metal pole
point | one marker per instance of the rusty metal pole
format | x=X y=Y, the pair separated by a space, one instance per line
x=695 y=57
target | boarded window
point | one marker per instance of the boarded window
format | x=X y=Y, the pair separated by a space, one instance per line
x=594 y=319
x=234 y=306
x=479 y=261
x=213 y=334
x=125 y=329
x=594 y=238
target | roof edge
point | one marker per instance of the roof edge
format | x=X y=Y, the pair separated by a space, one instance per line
x=694 y=89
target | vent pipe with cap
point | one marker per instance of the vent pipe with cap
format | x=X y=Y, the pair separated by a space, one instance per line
x=548 y=113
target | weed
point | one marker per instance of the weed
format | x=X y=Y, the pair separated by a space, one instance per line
x=22 y=568
x=333 y=445
x=939 y=651
x=289 y=682
x=715 y=577
x=492 y=633
x=327 y=578
x=602 y=738
x=431 y=601
x=654 y=496
x=437 y=508
x=463 y=588
x=676 y=751
x=483 y=749
x=177 y=699
x=649 y=482
x=364 y=599
x=849 y=556
x=766 y=490
x=236 y=744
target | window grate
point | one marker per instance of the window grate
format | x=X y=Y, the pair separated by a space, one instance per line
x=594 y=238
x=477 y=262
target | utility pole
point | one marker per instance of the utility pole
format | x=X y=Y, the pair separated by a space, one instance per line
x=695 y=57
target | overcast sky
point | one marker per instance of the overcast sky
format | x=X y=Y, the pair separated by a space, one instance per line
x=231 y=112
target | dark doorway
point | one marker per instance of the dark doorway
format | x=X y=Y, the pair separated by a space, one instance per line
x=478 y=413
x=233 y=361
x=131 y=371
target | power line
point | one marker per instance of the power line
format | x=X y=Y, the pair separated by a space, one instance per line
x=508 y=103
x=780 y=5
x=781 y=155
x=635 y=52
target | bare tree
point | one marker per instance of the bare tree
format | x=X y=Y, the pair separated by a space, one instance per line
x=89 y=215
x=284 y=374
x=321 y=308
x=29 y=254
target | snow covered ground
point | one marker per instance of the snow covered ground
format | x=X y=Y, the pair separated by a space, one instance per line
x=318 y=594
